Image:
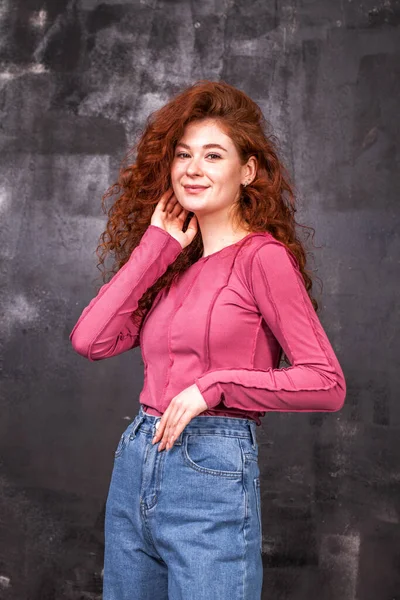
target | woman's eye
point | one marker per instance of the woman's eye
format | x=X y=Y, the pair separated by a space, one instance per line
x=186 y=154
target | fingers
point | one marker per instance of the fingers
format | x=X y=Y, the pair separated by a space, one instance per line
x=177 y=209
x=169 y=203
x=192 y=226
x=161 y=426
x=169 y=210
x=170 y=427
x=174 y=207
x=178 y=425
x=163 y=202
x=165 y=430
x=166 y=200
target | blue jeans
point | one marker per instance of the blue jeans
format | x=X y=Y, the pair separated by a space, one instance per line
x=185 y=523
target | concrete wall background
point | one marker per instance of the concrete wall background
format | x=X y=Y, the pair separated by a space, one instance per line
x=77 y=80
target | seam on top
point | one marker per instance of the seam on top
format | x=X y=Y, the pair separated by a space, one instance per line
x=171 y=237
x=262 y=386
x=212 y=304
x=125 y=298
x=170 y=355
x=322 y=348
x=145 y=362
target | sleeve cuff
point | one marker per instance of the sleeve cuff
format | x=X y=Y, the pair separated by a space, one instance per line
x=211 y=395
x=154 y=230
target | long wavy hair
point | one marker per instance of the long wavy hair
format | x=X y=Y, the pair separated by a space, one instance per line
x=266 y=204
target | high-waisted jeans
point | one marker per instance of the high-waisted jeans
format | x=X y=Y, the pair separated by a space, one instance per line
x=185 y=524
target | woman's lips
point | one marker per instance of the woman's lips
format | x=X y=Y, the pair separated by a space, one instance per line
x=195 y=190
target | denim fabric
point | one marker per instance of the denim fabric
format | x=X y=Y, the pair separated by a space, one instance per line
x=185 y=523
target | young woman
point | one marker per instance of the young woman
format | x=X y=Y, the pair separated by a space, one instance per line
x=211 y=283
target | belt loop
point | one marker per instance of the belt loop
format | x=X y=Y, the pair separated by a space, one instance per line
x=253 y=435
x=138 y=421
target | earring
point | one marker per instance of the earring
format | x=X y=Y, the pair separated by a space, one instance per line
x=245 y=183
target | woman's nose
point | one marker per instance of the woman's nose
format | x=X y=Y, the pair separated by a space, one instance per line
x=193 y=167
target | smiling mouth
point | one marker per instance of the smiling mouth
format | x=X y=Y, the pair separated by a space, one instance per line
x=195 y=187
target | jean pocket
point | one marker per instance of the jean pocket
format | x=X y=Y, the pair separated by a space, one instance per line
x=257 y=490
x=121 y=445
x=214 y=454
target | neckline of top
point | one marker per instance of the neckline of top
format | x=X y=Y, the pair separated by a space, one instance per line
x=202 y=258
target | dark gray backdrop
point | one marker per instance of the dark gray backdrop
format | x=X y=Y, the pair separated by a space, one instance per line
x=77 y=81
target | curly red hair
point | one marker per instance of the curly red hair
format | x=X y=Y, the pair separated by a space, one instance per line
x=267 y=204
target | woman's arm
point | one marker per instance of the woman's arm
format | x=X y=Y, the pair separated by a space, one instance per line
x=105 y=327
x=315 y=381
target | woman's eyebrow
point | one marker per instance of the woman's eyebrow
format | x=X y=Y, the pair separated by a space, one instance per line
x=205 y=146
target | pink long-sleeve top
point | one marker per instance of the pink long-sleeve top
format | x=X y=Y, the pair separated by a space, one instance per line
x=221 y=326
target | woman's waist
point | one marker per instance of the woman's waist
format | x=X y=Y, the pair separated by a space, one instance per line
x=224 y=412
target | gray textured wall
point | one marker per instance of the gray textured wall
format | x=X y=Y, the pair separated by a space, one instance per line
x=77 y=80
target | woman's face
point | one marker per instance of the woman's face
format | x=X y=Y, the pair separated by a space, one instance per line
x=217 y=169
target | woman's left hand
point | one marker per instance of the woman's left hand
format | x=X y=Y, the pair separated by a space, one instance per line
x=187 y=404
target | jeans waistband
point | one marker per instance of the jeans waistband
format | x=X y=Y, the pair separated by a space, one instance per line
x=229 y=426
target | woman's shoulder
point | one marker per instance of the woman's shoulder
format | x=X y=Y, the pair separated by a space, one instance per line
x=262 y=246
x=257 y=240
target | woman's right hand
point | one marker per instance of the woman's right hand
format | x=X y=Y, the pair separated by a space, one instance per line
x=170 y=215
